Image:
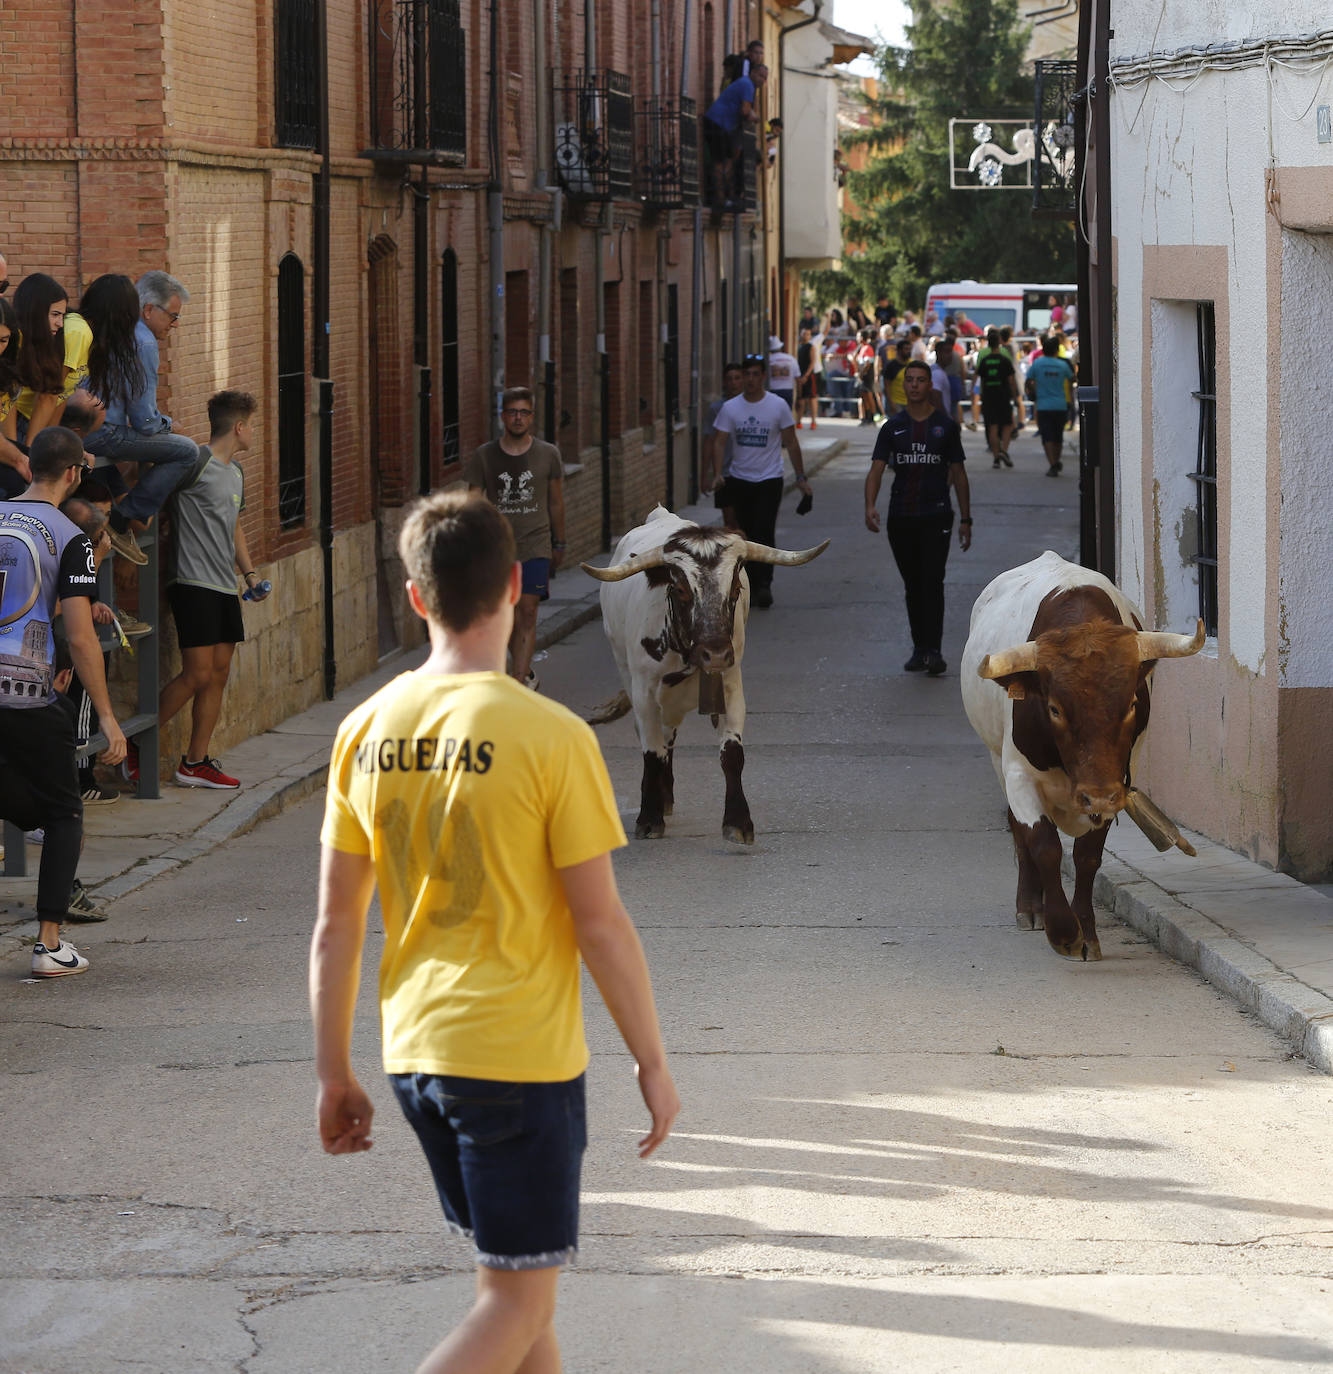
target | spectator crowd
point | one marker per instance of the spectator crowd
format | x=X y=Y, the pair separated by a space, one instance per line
x=88 y=463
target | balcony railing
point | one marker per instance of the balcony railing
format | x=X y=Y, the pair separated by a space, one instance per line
x=1058 y=151
x=418 y=92
x=593 y=129
x=667 y=153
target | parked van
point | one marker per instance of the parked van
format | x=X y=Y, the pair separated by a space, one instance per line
x=1025 y=307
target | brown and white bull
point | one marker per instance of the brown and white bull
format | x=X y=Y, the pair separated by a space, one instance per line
x=674 y=606
x=1056 y=680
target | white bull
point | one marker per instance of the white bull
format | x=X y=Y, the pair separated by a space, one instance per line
x=674 y=605
x=1056 y=680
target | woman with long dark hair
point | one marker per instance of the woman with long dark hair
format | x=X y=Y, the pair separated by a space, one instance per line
x=15 y=474
x=53 y=352
x=110 y=307
x=129 y=320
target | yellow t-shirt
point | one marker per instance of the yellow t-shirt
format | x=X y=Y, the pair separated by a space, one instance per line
x=78 y=344
x=469 y=792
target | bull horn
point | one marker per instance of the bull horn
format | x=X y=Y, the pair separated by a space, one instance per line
x=1161 y=644
x=784 y=558
x=1023 y=659
x=636 y=563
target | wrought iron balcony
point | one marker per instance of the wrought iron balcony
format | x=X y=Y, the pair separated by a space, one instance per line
x=749 y=169
x=593 y=128
x=667 y=153
x=1058 y=148
x=418 y=92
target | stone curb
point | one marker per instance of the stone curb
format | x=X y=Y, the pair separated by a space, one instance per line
x=1299 y=1013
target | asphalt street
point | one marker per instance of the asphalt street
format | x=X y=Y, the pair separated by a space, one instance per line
x=913 y=1137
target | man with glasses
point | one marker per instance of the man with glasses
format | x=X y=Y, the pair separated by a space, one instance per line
x=524 y=479
x=48 y=566
x=136 y=431
x=761 y=425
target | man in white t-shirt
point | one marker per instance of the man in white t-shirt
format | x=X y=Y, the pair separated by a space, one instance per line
x=783 y=370
x=761 y=425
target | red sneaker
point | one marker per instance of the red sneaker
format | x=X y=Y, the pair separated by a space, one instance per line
x=205 y=773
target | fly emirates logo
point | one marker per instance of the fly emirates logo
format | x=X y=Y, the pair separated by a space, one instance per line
x=918 y=453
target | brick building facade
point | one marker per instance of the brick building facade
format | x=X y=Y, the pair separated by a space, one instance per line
x=404 y=231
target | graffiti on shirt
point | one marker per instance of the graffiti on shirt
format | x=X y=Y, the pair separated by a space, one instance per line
x=518 y=493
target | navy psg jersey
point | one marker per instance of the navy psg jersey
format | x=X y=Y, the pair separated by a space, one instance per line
x=919 y=453
x=44 y=557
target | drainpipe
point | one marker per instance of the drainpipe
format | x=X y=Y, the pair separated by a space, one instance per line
x=549 y=229
x=696 y=285
x=496 y=227
x=604 y=376
x=782 y=170
x=1101 y=111
x=663 y=234
x=320 y=348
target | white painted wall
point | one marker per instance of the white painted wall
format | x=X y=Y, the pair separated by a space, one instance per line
x=809 y=133
x=1188 y=167
x=1305 y=650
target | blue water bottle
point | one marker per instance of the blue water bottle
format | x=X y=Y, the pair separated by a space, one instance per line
x=258 y=592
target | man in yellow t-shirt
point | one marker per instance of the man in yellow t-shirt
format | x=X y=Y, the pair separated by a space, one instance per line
x=484 y=814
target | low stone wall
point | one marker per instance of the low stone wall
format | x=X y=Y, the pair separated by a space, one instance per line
x=279 y=669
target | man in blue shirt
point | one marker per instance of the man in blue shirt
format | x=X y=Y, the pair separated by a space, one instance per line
x=722 y=129
x=137 y=432
x=1049 y=376
x=924 y=448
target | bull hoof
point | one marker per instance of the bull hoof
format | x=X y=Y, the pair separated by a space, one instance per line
x=1027 y=920
x=1092 y=951
x=650 y=830
x=1072 y=949
x=737 y=835
x=668 y=808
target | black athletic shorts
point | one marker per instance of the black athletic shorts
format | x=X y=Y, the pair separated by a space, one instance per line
x=997 y=410
x=1051 y=425
x=205 y=617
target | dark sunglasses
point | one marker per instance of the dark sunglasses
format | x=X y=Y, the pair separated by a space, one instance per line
x=751 y=358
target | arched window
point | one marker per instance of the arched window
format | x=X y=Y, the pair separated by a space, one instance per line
x=292 y=403
x=449 y=356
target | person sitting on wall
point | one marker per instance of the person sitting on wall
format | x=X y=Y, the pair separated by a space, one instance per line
x=129 y=324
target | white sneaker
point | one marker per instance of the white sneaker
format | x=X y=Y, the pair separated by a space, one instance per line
x=57 y=962
x=37 y=836
x=532 y=682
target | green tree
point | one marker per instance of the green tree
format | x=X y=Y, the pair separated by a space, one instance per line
x=966 y=58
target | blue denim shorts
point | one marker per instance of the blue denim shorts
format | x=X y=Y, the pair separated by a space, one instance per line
x=536 y=577
x=506 y=1159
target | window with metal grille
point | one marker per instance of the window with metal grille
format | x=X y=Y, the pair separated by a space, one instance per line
x=296 y=74
x=449 y=357
x=1204 y=475
x=418 y=88
x=292 y=404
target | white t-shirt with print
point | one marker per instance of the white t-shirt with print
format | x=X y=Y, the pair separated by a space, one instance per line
x=756 y=429
x=782 y=371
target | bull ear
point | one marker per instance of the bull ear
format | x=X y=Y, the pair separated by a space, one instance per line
x=1019 y=686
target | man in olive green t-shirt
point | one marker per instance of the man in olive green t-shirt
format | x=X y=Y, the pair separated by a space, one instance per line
x=523 y=478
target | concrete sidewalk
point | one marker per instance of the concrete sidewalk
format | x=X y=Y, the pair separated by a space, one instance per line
x=1262 y=937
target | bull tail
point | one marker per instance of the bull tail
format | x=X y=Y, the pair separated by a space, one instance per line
x=611 y=709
